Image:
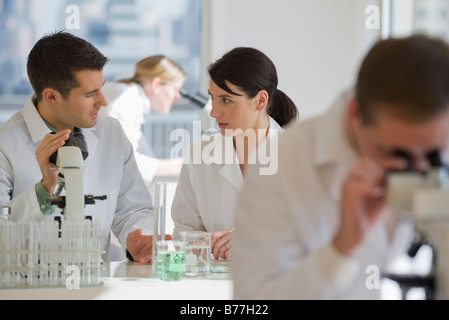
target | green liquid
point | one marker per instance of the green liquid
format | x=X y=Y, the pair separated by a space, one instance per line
x=171 y=266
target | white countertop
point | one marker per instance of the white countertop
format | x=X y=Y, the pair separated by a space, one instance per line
x=133 y=281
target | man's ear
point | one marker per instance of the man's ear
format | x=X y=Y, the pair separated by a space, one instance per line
x=51 y=96
x=262 y=100
x=354 y=115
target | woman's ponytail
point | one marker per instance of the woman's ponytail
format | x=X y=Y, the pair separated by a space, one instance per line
x=282 y=109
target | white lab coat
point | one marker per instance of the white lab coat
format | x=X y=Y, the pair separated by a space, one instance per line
x=129 y=104
x=207 y=192
x=285 y=222
x=110 y=169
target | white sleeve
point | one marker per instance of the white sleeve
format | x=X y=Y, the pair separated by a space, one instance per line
x=134 y=209
x=270 y=260
x=25 y=206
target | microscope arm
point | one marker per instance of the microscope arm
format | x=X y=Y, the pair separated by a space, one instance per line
x=70 y=163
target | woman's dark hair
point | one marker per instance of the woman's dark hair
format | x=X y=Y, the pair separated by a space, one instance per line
x=54 y=59
x=409 y=77
x=252 y=71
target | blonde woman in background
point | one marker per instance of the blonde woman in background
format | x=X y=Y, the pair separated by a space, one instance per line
x=155 y=86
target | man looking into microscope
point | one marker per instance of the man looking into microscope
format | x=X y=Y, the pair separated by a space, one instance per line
x=311 y=230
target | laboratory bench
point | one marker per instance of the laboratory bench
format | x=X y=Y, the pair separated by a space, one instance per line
x=127 y=280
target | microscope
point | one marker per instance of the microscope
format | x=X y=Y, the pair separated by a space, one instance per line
x=69 y=160
x=423 y=197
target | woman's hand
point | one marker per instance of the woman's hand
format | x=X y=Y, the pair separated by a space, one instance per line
x=221 y=244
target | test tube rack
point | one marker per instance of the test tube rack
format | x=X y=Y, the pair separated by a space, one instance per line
x=36 y=254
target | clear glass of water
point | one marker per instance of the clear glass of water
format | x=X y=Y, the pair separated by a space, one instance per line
x=171 y=260
x=198 y=252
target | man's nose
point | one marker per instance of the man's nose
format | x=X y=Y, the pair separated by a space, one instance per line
x=103 y=100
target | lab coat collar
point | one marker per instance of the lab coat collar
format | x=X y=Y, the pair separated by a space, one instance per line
x=34 y=122
x=332 y=146
x=38 y=129
x=224 y=157
x=332 y=142
x=232 y=172
x=274 y=129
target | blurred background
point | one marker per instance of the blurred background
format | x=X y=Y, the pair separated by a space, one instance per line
x=125 y=31
x=317 y=45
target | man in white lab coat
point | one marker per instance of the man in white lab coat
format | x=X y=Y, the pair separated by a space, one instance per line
x=66 y=73
x=319 y=227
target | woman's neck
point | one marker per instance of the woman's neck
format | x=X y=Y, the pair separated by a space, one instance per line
x=246 y=142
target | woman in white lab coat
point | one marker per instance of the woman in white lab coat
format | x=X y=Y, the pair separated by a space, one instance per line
x=245 y=100
x=155 y=86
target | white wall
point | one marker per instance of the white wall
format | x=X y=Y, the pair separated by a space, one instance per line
x=316 y=45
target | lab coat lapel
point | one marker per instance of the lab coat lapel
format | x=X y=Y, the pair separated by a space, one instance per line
x=230 y=171
x=232 y=174
x=92 y=142
x=223 y=159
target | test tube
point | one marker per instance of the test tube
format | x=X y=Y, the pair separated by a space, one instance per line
x=96 y=242
x=5 y=253
x=77 y=244
x=54 y=253
x=10 y=249
x=5 y=213
x=44 y=252
x=19 y=253
x=2 y=256
x=33 y=257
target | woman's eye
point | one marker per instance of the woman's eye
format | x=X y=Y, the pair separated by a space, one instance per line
x=226 y=100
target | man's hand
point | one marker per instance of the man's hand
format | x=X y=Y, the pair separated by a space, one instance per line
x=49 y=145
x=221 y=244
x=140 y=246
x=363 y=203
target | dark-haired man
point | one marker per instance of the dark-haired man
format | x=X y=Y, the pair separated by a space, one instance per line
x=320 y=227
x=66 y=73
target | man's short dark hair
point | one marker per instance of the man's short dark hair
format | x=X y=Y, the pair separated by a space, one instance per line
x=408 y=75
x=56 y=57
